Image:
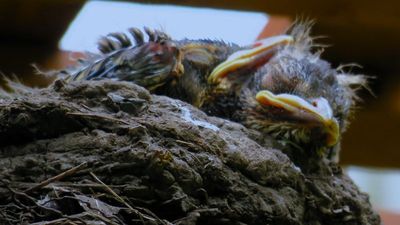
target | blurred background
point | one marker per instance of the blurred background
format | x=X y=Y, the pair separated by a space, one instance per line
x=50 y=34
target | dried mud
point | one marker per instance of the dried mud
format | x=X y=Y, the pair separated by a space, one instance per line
x=138 y=158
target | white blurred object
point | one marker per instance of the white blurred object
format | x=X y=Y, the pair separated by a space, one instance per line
x=383 y=186
x=99 y=18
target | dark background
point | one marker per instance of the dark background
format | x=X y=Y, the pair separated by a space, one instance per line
x=362 y=32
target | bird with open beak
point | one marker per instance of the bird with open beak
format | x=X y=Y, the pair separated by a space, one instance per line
x=277 y=86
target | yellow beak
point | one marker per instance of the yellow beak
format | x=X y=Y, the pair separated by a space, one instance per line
x=259 y=53
x=317 y=114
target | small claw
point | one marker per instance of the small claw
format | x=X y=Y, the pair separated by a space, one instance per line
x=150 y=33
x=258 y=54
x=318 y=114
x=161 y=36
x=137 y=35
x=106 y=45
x=122 y=38
x=102 y=45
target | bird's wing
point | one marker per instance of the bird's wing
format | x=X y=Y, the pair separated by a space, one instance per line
x=148 y=63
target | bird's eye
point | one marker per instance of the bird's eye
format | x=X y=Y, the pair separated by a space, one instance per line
x=314 y=103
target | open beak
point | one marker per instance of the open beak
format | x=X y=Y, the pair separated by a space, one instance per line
x=317 y=114
x=258 y=54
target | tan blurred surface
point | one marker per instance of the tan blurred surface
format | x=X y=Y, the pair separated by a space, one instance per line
x=390 y=218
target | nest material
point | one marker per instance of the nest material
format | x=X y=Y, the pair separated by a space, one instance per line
x=110 y=153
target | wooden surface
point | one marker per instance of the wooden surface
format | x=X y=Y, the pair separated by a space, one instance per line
x=390 y=218
x=36 y=22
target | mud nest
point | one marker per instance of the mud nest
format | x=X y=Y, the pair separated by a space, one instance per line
x=110 y=153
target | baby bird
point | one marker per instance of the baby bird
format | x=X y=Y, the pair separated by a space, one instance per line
x=277 y=86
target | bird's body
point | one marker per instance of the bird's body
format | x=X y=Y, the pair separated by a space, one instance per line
x=278 y=87
x=178 y=69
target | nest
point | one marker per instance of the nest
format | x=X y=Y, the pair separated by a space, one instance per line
x=104 y=152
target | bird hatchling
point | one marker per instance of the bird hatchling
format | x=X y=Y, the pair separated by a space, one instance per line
x=278 y=86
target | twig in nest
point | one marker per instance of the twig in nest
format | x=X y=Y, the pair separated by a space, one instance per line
x=34 y=201
x=66 y=184
x=68 y=218
x=120 y=199
x=57 y=177
x=98 y=116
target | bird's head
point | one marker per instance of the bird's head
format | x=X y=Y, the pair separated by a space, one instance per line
x=294 y=95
